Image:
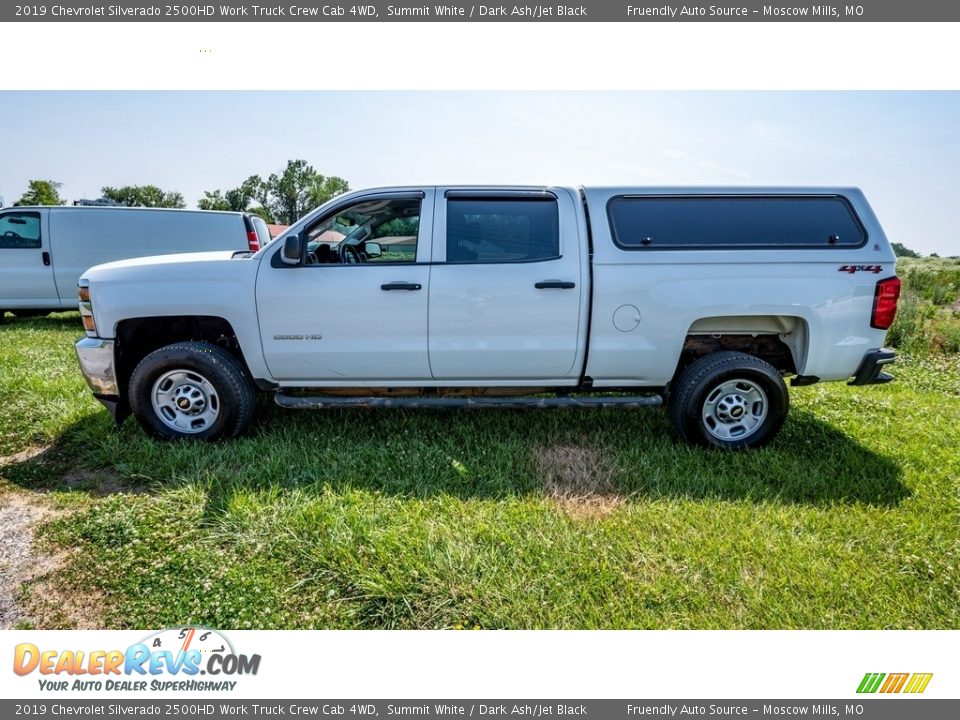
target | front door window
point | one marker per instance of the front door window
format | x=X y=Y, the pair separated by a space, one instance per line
x=373 y=231
x=20 y=230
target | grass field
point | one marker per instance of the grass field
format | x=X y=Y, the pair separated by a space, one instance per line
x=928 y=318
x=495 y=519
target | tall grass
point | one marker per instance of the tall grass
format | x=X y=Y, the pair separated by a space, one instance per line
x=928 y=316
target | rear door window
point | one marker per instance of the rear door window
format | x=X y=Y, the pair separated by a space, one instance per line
x=723 y=222
x=498 y=230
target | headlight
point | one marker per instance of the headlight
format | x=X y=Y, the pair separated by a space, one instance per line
x=86 y=308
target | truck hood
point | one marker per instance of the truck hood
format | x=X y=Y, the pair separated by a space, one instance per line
x=157 y=261
x=210 y=284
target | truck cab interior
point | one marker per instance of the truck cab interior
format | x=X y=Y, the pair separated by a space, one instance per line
x=376 y=231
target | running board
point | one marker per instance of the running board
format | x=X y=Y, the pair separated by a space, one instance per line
x=321 y=402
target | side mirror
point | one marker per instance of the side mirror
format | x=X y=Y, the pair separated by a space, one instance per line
x=373 y=249
x=292 y=253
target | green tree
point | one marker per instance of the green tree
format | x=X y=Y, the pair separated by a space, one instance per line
x=262 y=212
x=144 y=196
x=41 y=192
x=325 y=188
x=299 y=189
x=214 y=200
x=239 y=199
x=283 y=197
x=901 y=250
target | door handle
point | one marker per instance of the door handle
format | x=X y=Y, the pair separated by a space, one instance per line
x=555 y=285
x=401 y=286
x=46 y=257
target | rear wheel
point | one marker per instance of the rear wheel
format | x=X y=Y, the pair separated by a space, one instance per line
x=191 y=390
x=729 y=400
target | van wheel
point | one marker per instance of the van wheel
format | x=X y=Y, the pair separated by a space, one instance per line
x=191 y=390
x=729 y=400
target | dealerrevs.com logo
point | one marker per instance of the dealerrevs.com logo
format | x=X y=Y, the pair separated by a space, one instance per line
x=180 y=659
x=888 y=683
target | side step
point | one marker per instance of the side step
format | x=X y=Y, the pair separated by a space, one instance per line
x=320 y=402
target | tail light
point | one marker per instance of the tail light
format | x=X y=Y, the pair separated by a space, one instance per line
x=885 y=303
x=253 y=241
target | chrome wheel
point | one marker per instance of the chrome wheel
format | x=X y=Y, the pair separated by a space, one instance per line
x=185 y=401
x=734 y=409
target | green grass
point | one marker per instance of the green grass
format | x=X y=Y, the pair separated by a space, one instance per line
x=396 y=519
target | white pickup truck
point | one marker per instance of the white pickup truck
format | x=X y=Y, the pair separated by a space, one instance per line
x=702 y=298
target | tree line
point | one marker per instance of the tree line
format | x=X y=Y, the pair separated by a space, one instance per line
x=282 y=197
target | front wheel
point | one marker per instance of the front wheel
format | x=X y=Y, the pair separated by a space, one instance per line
x=191 y=390
x=729 y=400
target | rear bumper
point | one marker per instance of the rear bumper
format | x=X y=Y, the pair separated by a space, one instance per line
x=97 y=363
x=870 y=371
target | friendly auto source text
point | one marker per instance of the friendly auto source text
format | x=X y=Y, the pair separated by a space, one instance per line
x=673 y=11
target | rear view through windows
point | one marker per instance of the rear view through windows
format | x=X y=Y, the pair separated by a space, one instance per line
x=718 y=222
x=502 y=229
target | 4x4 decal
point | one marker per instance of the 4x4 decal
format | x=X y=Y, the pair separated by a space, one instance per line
x=875 y=269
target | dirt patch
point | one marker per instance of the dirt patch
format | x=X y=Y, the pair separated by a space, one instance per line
x=578 y=479
x=589 y=508
x=19 y=561
x=48 y=603
x=100 y=482
x=52 y=605
x=22 y=456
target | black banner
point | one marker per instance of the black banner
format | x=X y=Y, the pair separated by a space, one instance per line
x=410 y=11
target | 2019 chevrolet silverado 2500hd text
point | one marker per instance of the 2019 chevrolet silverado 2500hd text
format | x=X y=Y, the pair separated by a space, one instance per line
x=703 y=298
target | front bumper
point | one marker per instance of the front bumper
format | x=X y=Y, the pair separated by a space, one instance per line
x=98 y=366
x=870 y=371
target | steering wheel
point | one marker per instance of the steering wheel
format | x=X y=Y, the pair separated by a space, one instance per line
x=350 y=255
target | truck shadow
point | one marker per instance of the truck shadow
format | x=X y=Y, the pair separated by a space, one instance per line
x=626 y=456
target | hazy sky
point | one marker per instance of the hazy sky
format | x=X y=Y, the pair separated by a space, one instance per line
x=901 y=148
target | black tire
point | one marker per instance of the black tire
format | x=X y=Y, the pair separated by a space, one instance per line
x=232 y=391
x=698 y=385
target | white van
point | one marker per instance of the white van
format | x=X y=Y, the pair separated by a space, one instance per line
x=44 y=250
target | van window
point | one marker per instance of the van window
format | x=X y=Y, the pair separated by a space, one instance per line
x=19 y=230
x=263 y=232
x=502 y=229
x=716 y=222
